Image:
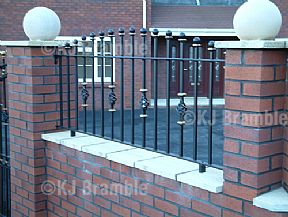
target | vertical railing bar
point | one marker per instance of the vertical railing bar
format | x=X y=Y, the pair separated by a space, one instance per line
x=112 y=96
x=1 y=153
x=4 y=114
x=132 y=33
x=181 y=108
x=155 y=81
x=92 y=38
x=67 y=48
x=211 y=50
x=144 y=103
x=102 y=35
x=122 y=34
x=75 y=42
x=168 y=87
x=60 y=62
x=196 y=44
x=84 y=92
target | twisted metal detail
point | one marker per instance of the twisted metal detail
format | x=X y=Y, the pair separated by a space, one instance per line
x=84 y=95
x=4 y=116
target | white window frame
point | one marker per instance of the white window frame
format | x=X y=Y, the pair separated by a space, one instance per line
x=97 y=78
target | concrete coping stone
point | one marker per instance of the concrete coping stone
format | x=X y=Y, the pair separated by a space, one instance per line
x=166 y=166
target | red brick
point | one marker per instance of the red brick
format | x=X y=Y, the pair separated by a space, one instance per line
x=249 y=73
x=68 y=206
x=246 y=164
x=167 y=183
x=257 y=57
x=232 y=117
x=248 y=104
x=189 y=212
x=109 y=174
x=276 y=161
x=264 y=89
x=132 y=204
x=262 y=150
x=148 y=177
x=91 y=208
x=227 y=213
x=83 y=213
x=151 y=212
x=231 y=146
x=231 y=175
x=166 y=206
x=121 y=210
x=206 y=208
x=239 y=191
x=248 y=134
x=227 y=202
x=232 y=88
x=260 y=181
x=155 y=190
x=178 y=198
x=194 y=192
x=233 y=56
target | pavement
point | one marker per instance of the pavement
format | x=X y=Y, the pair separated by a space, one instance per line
x=175 y=132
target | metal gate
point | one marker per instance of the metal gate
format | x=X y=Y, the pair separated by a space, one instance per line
x=4 y=142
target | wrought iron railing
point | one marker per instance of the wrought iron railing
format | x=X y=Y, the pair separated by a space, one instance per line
x=105 y=106
x=4 y=141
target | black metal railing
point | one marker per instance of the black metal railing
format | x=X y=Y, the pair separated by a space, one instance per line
x=4 y=141
x=104 y=93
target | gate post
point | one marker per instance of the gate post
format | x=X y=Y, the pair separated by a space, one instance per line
x=255 y=90
x=33 y=105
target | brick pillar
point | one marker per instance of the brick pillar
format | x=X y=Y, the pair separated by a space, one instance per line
x=285 y=155
x=33 y=104
x=255 y=96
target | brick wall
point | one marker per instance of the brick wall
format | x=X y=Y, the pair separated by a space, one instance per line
x=253 y=149
x=33 y=109
x=125 y=191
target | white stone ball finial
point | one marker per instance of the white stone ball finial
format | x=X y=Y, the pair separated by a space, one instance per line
x=41 y=24
x=257 y=20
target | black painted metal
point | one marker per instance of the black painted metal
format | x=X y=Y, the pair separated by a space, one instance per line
x=101 y=36
x=132 y=33
x=122 y=34
x=84 y=92
x=181 y=108
x=5 y=194
x=112 y=95
x=75 y=42
x=188 y=149
x=168 y=82
x=155 y=72
x=92 y=38
x=144 y=103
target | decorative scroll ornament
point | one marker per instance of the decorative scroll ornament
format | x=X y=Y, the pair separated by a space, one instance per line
x=84 y=94
x=144 y=103
x=181 y=110
x=3 y=74
x=4 y=116
x=112 y=99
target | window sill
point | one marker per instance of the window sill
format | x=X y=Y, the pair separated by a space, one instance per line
x=274 y=201
x=156 y=163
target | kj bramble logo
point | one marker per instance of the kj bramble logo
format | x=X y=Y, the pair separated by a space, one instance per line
x=48 y=188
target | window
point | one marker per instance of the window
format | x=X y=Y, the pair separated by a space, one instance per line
x=107 y=62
